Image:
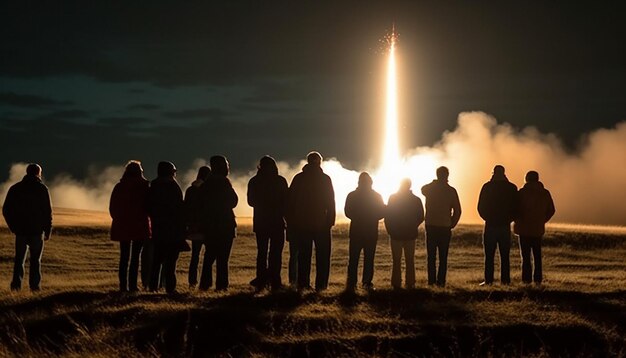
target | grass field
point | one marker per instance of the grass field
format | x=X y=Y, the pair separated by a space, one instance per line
x=579 y=311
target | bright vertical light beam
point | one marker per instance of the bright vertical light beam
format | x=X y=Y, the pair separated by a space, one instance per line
x=391 y=156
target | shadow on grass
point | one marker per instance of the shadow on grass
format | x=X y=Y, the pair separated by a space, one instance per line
x=384 y=322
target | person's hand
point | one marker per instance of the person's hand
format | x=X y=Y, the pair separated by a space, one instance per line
x=46 y=237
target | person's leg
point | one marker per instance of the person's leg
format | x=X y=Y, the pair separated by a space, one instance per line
x=262 y=244
x=147 y=259
x=123 y=266
x=192 y=277
x=18 y=265
x=369 y=251
x=305 y=250
x=277 y=243
x=525 y=247
x=396 y=260
x=489 y=246
x=409 y=258
x=431 y=254
x=156 y=267
x=36 y=250
x=221 y=269
x=169 y=269
x=322 y=259
x=210 y=255
x=536 y=247
x=504 y=245
x=442 y=245
x=353 y=262
x=293 y=259
x=136 y=247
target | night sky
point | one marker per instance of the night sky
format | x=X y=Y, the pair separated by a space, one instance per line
x=99 y=84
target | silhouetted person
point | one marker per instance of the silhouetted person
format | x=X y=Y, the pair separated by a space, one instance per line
x=497 y=204
x=218 y=200
x=403 y=217
x=535 y=209
x=443 y=211
x=28 y=214
x=267 y=194
x=193 y=220
x=131 y=224
x=364 y=207
x=165 y=206
x=310 y=217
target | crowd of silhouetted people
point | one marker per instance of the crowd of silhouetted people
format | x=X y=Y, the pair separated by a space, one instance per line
x=153 y=222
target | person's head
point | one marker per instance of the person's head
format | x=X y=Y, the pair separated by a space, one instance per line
x=166 y=169
x=443 y=173
x=314 y=158
x=267 y=165
x=405 y=184
x=219 y=165
x=203 y=172
x=133 y=169
x=365 y=180
x=532 y=177
x=34 y=170
x=498 y=170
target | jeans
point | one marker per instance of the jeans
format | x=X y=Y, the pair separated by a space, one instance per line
x=23 y=243
x=528 y=244
x=305 y=240
x=129 y=250
x=437 y=240
x=165 y=258
x=222 y=254
x=369 y=250
x=147 y=260
x=196 y=248
x=268 y=269
x=293 y=259
x=397 y=248
x=210 y=254
x=500 y=237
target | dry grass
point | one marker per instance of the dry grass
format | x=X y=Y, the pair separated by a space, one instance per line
x=580 y=311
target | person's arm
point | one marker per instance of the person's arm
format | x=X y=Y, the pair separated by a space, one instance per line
x=381 y=208
x=251 y=194
x=420 y=212
x=348 y=207
x=551 y=209
x=231 y=196
x=482 y=204
x=330 y=209
x=456 y=209
x=47 y=214
x=8 y=209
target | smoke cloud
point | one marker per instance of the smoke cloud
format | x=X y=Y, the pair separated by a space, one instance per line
x=587 y=185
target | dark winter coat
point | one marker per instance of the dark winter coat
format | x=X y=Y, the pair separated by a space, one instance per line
x=443 y=207
x=27 y=209
x=193 y=207
x=364 y=207
x=536 y=208
x=404 y=215
x=165 y=207
x=311 y=201
x=497 y=202
x=267 y=194
x=218 y=201
x=129 y=211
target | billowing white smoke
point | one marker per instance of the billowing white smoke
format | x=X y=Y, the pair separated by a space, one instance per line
x=587 y=186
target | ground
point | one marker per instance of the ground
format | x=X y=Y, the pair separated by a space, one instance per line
x=579 y=311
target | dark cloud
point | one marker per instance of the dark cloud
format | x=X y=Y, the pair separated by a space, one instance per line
x=30 y=101
x=65 y=115
x=125 y=122
x=208 y=113
x=144 y=107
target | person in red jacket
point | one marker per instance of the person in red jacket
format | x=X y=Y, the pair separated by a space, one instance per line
x=131 y=224
x=535 y=209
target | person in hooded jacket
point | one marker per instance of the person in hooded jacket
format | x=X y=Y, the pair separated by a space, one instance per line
x=497 y=204
x=404 y=215
x=267 y=194
x=165 y=207
x=219 y=225
x=443 y=211
x=28 y=213
x=130 y=225
x=364 y=207
x=193 y=220
x=310 y=217
x=535 y=209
